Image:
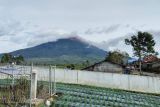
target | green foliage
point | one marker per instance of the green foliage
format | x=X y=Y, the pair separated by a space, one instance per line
x=71 y=66
x=77 y=66
x=86 y=64
x=19 y=59
x=64 y=60
x=142 y=44
x=14 y=94
x=8 y=58
x=117 y=57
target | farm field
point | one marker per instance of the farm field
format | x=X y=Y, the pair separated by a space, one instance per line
x=88 y=96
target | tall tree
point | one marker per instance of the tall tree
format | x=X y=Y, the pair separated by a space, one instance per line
x=117 y=57
x=143 y=44
x=6 y=58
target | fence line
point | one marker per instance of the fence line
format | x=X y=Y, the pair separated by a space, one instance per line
x=108 y=80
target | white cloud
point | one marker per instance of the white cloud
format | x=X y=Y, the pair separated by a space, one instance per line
x=102 y=30
x=17 y=35
x=119 y=43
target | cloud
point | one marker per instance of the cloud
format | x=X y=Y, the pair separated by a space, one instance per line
x=156 y=36
x=48 y=36
x=118 y=43
x=113 y=43
x=101 y=30
x=24 y=35
x=10 y=27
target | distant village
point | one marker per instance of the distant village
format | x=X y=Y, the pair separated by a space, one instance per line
x=150 y=66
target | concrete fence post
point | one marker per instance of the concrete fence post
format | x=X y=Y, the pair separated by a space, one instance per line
x=77 y=77
x=54 y=79
x=50 y=80
x=34 y=84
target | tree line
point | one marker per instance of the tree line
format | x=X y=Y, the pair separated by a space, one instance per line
x=8 y=58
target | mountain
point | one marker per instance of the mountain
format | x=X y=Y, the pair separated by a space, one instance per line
x=67 y=50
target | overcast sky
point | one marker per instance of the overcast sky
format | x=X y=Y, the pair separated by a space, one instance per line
x=105 y=23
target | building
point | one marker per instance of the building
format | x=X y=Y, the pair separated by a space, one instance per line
x=151 y=64
x=106 y=66
x=150 y=58
x=153 y=67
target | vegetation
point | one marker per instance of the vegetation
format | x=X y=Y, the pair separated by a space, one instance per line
x=143 y=44
x=75 y=66
x=64 y=60
x=14 y=95
x=8 y=58
x=90 y=96
x=117 y=57
x=69 y=65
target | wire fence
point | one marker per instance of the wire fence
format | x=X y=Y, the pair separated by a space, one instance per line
x=19 y=85
x=14 y=85
x=46 y=82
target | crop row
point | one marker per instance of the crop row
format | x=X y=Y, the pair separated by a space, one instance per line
x=84 y=96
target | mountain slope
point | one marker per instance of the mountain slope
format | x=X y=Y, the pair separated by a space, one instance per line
x=70 y=50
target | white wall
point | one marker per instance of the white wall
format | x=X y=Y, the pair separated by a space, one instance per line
x=109 y=80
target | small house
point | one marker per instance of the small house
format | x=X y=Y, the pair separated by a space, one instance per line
x=106 y=66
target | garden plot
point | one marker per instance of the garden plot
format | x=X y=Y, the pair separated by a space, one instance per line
x=86 y=96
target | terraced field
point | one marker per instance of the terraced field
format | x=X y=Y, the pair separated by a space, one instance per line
x=86 y=96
